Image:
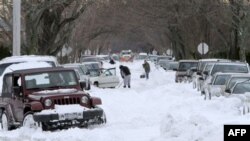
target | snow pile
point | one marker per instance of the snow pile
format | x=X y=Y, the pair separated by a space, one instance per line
x=157 y=109
x=62 y=109
x=57 y=91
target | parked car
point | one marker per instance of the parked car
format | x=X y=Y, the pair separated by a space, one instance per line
x=83 y=77
x=173 y=65
x=232 y=80
x=141 y=56
x=92 y=59
x=50 y=98
x=229 y=67
x=101 y=77
x=181 y=71
x=217 y=82
x=164 y=63
x=152 y=58
x=162 y=57
x=241 y=90
x=200 y=69
x=106 y=78
x=203 y=77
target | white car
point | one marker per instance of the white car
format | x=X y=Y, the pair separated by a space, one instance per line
x=105 y=78
x=83 y=77
x=217 y=82
x=232 y=80
x=100 y=77
x=241 y=90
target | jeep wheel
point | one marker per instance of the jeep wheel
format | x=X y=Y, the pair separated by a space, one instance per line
x=4 y=125
x=29 y=122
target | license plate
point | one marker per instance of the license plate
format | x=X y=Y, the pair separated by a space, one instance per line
x=71 y=116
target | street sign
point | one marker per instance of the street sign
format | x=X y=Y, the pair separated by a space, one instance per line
x=202 y=48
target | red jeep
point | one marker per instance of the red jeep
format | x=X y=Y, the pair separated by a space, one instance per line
x=51 y=98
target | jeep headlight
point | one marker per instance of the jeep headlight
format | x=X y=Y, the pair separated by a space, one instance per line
x=84 y=99
x=47 y=102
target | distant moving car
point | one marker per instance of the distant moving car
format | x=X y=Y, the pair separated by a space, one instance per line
x=181 y=71
x=126 y=56
x=50 y=98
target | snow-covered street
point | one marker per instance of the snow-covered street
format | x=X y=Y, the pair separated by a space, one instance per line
x=157 y=109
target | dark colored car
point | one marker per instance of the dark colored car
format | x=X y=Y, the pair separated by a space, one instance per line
x=181 y=71
x=51 y=98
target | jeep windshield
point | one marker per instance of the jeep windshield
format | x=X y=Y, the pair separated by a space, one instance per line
x=50 y=80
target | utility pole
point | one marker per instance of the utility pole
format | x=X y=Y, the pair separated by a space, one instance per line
x=16 y=45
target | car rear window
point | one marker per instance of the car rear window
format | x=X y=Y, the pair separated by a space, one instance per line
x=187 y=65
x=229 y=68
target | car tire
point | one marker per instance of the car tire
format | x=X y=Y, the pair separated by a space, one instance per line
x=4 y=123
x=29 y=122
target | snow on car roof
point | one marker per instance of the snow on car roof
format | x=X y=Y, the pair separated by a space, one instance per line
x=212 y=59
x=61 y=109
x=227 y=73
x=22 y=66
x=231 y=63
x=188 y=60
x=90 y=62
x=240 y=75
x=26 y=58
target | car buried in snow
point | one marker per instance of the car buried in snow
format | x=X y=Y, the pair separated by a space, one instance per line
x=181 y=71
x=47 y=98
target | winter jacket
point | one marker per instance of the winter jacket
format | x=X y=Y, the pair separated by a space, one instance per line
x=124 y=71
x=146 y=67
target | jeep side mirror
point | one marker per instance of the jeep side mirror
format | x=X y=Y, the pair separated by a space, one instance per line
x=17 y=90
x=228 y=91
x=83 y=84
